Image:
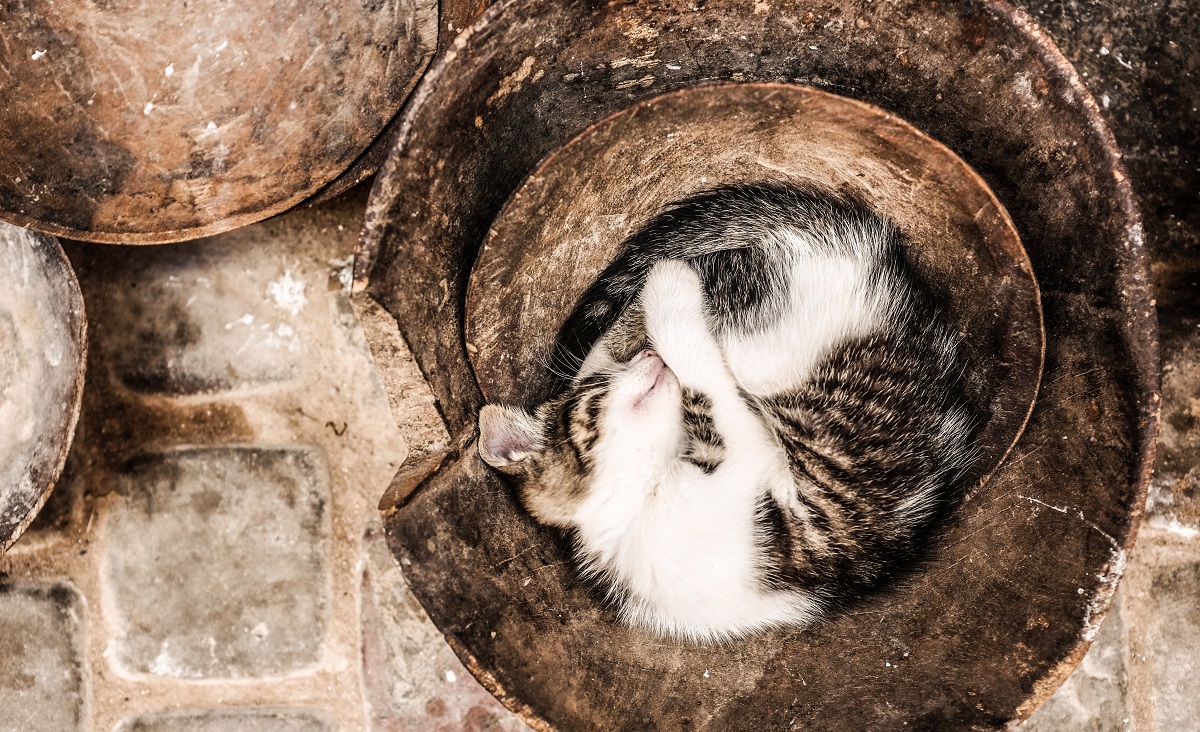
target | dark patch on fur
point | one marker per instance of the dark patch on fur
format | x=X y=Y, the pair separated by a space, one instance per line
x=867 y=431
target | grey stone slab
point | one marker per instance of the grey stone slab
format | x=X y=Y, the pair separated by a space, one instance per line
x=41 y=659
x=1172 y=627
x=1094 y=698
x=412 y=680
x=215 y=563
x=201 y=317
x=224 y=720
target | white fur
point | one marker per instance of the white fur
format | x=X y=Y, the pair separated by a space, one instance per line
x=827 y=302
x=682 y=542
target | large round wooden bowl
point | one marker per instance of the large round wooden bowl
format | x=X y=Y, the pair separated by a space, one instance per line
x=42 y=355
x=138 y=121
x=539 y=102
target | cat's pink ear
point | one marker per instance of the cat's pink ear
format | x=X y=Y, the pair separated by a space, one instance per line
x=508 y=437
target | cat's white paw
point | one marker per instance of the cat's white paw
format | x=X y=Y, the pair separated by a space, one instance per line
x=673 y=293
x=677 y=324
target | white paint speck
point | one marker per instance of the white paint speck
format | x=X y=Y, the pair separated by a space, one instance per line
x=288 y=293
x=222 y=47
x=1105 y=100
x=246 y=319
x=451 y=676
x=38 y=54
x=812 y=48
x=1104 y=51
x=165 y=665
x=706 y=673
x=674 y=67
x=148 y=108
x=170 y=70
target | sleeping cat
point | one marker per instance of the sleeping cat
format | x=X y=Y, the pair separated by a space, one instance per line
x=767 y=419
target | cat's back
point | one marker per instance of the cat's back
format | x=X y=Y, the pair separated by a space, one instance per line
x=806 y=271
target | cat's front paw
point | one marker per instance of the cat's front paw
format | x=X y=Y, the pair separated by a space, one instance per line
x=677 y=324
x=673 y=291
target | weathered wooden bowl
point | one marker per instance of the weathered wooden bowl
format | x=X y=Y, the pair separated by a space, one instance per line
x=42 y=356
x=479 y=186
x=144 y=122
x=565 y=223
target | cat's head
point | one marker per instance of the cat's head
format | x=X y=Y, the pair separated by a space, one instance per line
x=621 y=427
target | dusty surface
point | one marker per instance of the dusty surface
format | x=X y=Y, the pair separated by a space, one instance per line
x=1121 y=685
x=42 y=358
x=42 y=678
x=136 y=121
x=1139 y=62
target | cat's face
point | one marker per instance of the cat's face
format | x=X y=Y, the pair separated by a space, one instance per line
x=623 y=427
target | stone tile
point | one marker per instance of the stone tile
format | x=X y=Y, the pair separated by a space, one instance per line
x=41 y=666
x=200 y=317
x=1094 y=698
x=1171 y=627
x=1174 y=502
x=412 y=681
x=224 y=720
x=215 y=563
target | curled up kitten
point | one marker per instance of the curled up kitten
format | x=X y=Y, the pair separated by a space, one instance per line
x=767 y=420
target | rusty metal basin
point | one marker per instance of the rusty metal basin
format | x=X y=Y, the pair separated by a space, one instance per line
x=42 y=356
x=1019 y=583
x=137 y=121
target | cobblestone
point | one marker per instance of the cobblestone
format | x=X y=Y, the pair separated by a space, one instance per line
x=41 y=660
x=1173 y=632
x=228 y=721
x=215 y=563
x=413 y=680
x=180 y=323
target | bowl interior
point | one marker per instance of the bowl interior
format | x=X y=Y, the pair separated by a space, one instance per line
x=566 y=222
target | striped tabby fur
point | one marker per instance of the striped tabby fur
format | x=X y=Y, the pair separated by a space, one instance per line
x=767 y=418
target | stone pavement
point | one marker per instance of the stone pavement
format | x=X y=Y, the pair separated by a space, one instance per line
x=212 y=560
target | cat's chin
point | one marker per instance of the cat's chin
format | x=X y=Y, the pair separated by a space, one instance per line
x=653 y=381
